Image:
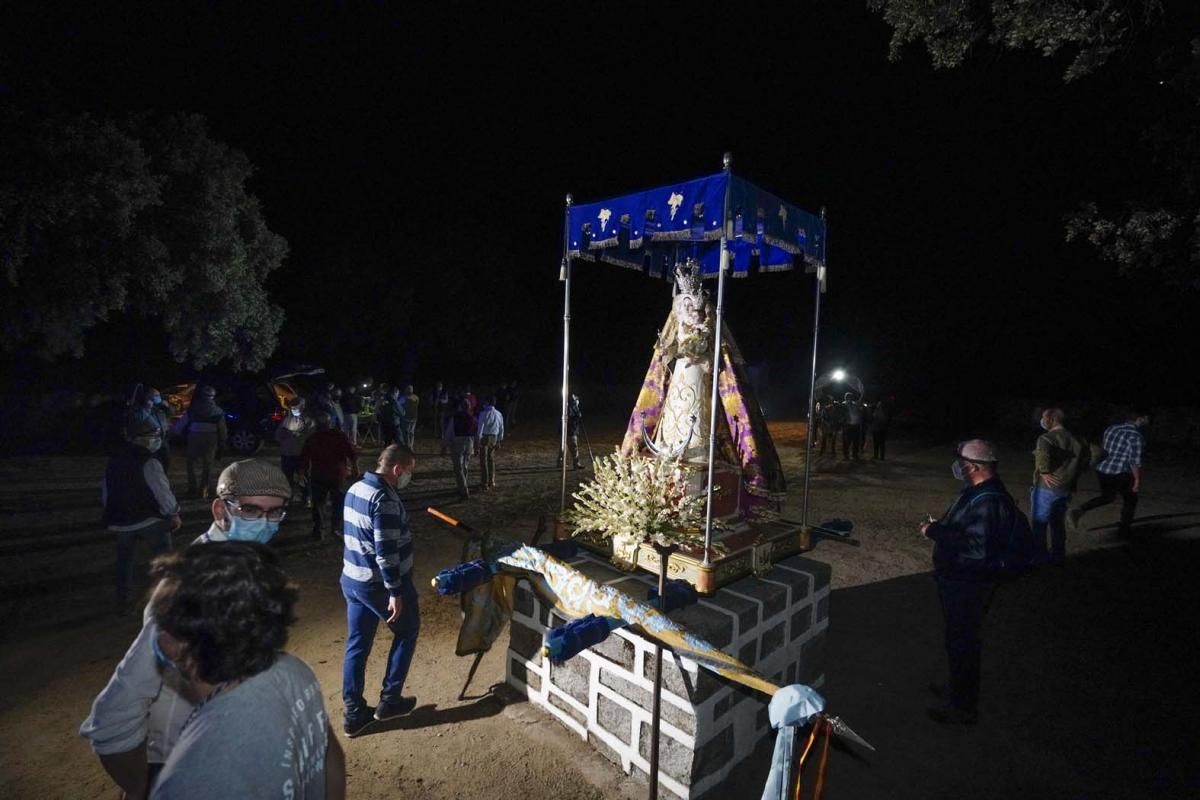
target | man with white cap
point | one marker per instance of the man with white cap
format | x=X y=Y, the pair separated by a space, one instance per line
x=969 y=541
x=137 y=718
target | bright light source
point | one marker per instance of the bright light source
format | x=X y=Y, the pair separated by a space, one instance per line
x=839 y=374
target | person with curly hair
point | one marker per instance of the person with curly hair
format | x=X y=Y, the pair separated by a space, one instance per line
x=136 y=719
x=258 y=727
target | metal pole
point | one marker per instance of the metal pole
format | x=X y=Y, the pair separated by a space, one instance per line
x=722 y=267
x=664 y=555
x=564 y=275
x=812 y=384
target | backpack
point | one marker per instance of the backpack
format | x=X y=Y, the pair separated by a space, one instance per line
x=1015 y=555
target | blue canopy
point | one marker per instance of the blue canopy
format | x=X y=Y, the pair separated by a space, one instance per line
x=652 y=230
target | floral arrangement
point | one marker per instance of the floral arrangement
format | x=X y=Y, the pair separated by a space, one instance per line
x=634 y=498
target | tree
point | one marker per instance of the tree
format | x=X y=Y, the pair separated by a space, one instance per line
x=1158 y=234
x=148 y=216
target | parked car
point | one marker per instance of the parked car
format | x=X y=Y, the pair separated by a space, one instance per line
x=254 y=406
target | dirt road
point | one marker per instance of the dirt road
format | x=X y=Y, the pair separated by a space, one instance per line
x=1088 y=690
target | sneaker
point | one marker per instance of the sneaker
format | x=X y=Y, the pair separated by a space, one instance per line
x=353 y=726
x=950 y=715
x=386 y=710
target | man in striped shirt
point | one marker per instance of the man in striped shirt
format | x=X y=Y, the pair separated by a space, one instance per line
x=1121 y=470
x=378 y=585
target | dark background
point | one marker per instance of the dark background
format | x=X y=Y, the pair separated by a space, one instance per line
x=415 y=156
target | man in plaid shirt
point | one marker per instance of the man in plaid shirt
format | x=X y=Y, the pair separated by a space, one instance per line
x=1121 y=470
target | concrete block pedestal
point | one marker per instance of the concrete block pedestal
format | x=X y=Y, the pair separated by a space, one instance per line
x=776 y=624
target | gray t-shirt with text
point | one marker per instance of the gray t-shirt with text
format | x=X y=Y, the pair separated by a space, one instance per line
x=265 y=738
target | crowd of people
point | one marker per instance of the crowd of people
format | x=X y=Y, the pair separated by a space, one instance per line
x=983 y=538
x=192 y=683
x=848 y=421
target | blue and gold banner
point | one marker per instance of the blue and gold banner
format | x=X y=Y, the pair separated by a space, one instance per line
x=651 y=230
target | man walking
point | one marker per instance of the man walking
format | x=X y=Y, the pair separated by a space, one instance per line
x=1059 y=458
x=439 y=401
x=489 y=434
x=881 y=420
x=852 y=432
x=459 y=438
x=204 y=424
x=574 y=420
x=968 y=545
x=1121 y=470
x=390 y=415
x=138 y=502
x=331 y=460
x=412 y=405
x=378 y=585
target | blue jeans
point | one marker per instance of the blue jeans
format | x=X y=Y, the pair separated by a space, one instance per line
x=1048 y=509
x=365 y=607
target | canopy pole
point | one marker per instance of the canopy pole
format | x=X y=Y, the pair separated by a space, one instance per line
x=812 y=384
x=722 y=267
x=564 y=275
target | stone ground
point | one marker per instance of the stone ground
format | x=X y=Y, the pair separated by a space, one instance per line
x=1088 y=671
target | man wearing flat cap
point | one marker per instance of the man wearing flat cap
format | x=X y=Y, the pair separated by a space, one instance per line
x=137 y=718
x=968 y=542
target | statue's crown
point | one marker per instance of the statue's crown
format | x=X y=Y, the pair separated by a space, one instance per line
x=688 y=278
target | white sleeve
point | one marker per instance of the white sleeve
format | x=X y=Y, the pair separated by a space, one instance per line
x=156 y=479
x=117 y=723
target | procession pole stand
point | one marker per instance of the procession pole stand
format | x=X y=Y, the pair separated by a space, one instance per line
x=805 y=531
x=722 y=266
x=664 y=555
x=564 y=275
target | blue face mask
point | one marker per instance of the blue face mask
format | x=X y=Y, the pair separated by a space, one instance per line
x=251 y=530
x=167 y=664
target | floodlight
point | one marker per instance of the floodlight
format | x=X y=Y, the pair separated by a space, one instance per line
x=839 y=374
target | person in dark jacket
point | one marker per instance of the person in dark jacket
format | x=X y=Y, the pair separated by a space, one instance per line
x=574 y=420
x=968 y=545
x=389 y=413
x=459 y=438
x=137 y=502
x=204 y=425
x=333 y=461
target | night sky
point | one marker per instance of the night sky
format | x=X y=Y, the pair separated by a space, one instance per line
x=415 y=156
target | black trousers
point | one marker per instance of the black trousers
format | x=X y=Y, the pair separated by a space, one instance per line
x=327 y=492
x=964 y=605
x=879 y=444
x=851 y=441
x=1110 y=487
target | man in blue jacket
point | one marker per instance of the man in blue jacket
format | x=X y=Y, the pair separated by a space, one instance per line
x=377 y=583
x=967 y=555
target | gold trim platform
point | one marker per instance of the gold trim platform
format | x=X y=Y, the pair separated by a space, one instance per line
x=749 y=548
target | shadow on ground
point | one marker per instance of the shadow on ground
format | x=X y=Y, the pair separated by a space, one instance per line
x=1089 y=685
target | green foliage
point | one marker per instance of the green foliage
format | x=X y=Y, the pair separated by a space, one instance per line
x=1156 y=236
x=148 y=216
x=1094 y=29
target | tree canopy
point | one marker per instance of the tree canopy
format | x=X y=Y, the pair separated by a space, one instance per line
x=1155 y=234
x=146 y=215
